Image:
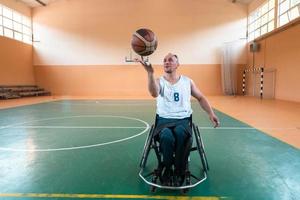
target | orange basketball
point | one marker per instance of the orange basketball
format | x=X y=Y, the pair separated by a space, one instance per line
x=144 y=42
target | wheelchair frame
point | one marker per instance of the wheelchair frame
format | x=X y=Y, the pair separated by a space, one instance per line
x=151 y=143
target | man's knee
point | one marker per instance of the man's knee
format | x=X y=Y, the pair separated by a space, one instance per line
x=166 y=136
x=181 y=132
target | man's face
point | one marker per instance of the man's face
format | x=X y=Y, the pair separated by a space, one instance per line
x=170 y=63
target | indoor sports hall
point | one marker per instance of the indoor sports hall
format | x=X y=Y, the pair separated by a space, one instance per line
x=78 y=115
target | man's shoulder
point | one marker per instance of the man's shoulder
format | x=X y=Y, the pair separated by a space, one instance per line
x=186 y=78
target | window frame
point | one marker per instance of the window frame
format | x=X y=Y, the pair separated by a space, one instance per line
x=292 y=13
x=18 y=26
x=286 y=12
x=255 y=23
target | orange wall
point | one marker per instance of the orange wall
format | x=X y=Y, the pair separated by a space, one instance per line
x=98 y=32
x=15 y=62
x=281 y=51
x=255 y=4
x=16 y=57
x=83 y=43
x=117 y=81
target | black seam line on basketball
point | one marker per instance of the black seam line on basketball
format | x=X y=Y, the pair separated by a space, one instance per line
x=145 y=51
x=150 y=48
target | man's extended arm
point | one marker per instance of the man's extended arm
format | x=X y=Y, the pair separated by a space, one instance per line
x=153 y=85
x=204 y=104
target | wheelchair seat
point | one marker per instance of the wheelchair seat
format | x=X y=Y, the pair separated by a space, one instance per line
x=157 y=178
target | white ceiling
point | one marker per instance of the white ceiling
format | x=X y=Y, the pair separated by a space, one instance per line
x=34 y=3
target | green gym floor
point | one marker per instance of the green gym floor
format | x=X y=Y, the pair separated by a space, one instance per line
x=88 y=149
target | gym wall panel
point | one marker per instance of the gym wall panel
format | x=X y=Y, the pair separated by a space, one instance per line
x=15 y=63
x=281 y=52
x=16 y=57
x=117 y=81
x=81 y=44
x=255 y=4
x=98 y=32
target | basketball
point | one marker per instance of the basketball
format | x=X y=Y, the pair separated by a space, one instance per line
x=144 y=42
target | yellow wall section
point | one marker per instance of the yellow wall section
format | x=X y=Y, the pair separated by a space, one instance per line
x=118 y=81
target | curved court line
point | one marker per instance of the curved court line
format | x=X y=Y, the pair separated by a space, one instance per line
x=81 y=127
x=140 y=127
x=246 y=128
x=70 y=117
x=107 y=196
x=103 y=104
x=78 y=147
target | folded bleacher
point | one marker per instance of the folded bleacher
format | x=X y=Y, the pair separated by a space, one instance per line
x=19 y=91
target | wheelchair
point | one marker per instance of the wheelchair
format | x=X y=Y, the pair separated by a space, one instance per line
x=155 y=179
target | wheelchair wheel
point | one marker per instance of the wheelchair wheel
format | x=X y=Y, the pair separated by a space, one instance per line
x=200 y=148
x=153 y=189
x=187 y=182
x=154 y=180
x=147 y=148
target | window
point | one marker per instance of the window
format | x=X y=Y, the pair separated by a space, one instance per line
x=8 y=33
x=261 y=20
x=7 y=12
x=15 y=25
x=18 y=36
x=288 y=10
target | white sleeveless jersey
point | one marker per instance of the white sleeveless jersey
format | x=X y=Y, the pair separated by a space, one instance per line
x=174 y=101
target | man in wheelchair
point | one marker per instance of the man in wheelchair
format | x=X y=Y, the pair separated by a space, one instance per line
x=173 y=122
x=175 y=138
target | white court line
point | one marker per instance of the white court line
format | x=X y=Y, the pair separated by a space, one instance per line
x=82 y=127
x=247 y=128
x=104 y=104
x=146 y=128
x=142 y=127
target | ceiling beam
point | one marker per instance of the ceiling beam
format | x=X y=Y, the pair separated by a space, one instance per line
x=40 y=2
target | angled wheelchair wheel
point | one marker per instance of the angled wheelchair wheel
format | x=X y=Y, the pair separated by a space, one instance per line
x=153 y=180
x=200 y=148
x=147 y=148
x=187 y=182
